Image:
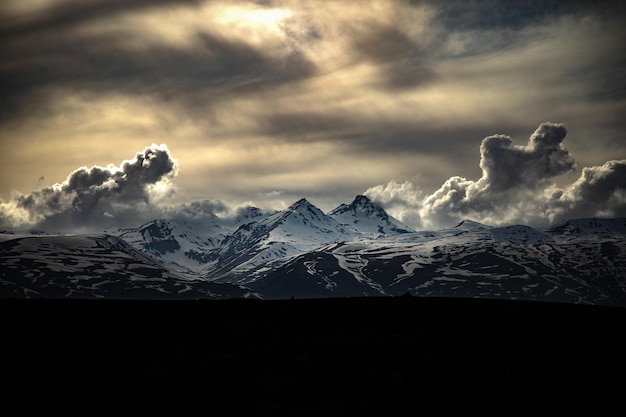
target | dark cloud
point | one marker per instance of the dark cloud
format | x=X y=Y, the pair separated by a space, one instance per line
x=199 y=210
x=493 y=14
x=402 y=62
x=515 y=187
x=600 y=191
x=66 y=14
x=510 y=174
x=372 y=83
x=516 y=14
x=489 y=26
x=375 y=134
x=506 y=166
x=91 y=197
x=209 y=212
x=214 y=67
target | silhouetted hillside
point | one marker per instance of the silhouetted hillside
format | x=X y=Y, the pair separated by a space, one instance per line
x=312 y=357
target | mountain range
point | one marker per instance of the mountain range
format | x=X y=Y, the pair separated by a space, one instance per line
x=354 y=250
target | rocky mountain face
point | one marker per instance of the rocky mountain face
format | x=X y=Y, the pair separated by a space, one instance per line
x=175 y=241
x=254 y=246
x=516 y=262
x=356 y=249
x=368 y=218
x=98 y=266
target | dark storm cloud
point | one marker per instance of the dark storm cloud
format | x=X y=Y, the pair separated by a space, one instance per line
x=600 y=191
x=401 y=61
x=208 y=212
x=514 y=187
x=506 y=166
x=214 y=67
x=90 y=197
x=493 y=14
x=69 y=13
x=200 y=210
x=516 y=14
x=252 y=94
x=510 y=173
x=377 y=134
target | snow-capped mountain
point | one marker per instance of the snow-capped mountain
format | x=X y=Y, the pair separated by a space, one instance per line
x=224 y=249
x=249 y=214
x=515 y=262
x=299 y=228
x=515 y=234
x=368 y=218
x=176 y=242
x=183 y=245
x=94 y=266
x=588 y=228
x=356 y=249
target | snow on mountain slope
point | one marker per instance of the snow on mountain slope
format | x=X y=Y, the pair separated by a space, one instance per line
x=183 y=245
x=510 y=262
x=516 y=234
x=304 y=253
x=94 y=266
x=428 y=235
x=316 y=274
x=248 y=214
x=368 y=218
x=300 y=228
x=588 y=228
x=520 y=234
x=174 y=241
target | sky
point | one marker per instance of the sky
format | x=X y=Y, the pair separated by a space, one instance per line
x=117 y=112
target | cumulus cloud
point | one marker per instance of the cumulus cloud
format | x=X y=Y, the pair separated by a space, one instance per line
x=515 y=187
x=264 y=95
x=208 y=212
x=400 y=199
x=600 y=191
x=93 y=197
x=511 y=174
x=391 y=80
x=199 y=210
x=506 y=166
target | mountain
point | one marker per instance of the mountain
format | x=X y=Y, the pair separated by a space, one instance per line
x=94 y=266
x=588 y=228
x=298 y=229
x=515 y=262
x=368 y=218
x=176 y=242
x=355 y=250
x=249 y=214
x=261 y=239
x=183 y=245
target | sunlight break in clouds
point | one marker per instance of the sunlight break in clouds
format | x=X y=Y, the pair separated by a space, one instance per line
x=319 y=98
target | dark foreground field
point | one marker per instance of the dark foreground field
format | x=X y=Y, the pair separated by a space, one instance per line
x=401 y=355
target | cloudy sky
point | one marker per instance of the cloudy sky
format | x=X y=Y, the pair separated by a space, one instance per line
x=115 y=111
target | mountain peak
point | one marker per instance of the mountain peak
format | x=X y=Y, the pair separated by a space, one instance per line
x=368 y=217
x=300 y=204
x=469 y=224
x=361 y=204
x=361 y=199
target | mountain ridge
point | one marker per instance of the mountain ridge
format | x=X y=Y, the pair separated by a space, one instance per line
x=368 y=218
x=358 y=249
x=95 y=266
